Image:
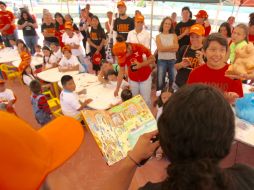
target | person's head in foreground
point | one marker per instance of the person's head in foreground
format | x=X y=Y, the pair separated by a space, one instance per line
x=35 y=86
x=30 y=154
x=195 y=135
x=215 y=49
x=225 y=30
x=2 y=6
x=68 y=83
x=126 y=94
x=66 y=50
x=240 y=33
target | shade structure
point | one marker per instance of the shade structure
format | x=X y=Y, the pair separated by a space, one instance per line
x=195 y=1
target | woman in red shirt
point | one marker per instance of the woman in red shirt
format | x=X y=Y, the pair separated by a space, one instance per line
x=60 y=29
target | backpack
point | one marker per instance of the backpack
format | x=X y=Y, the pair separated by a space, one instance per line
x=41 y=116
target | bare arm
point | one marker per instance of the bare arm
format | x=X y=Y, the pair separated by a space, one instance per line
x=119 y=80
x=84 y=104
x=73 y=68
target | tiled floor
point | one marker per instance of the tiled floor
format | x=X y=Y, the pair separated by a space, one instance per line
x=87 y=170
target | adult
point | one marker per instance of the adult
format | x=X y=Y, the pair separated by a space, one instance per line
x=189 y=56
x=28 y=25
x=139 y=35
x=68 y=18
x=109 y=22
x=60 y=21
x=48 y=30
x=123 y=24
x=202 y=19
x=85 y=22
x=174 y=19
x=188 y=119
x=130 y=56
x=225 y=31
x=7 y=25
x=88 y=7
x=231 y=22
x=251 y=28
x=167 y=46
x=183 y=27
x=35 y=152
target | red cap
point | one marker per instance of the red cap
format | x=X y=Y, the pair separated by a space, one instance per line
x=97 y=57
x=202 y=14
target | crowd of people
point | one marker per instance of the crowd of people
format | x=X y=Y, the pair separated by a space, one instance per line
x=187 y=53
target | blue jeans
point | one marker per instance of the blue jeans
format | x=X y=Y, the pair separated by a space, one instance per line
x=143 y=88
x=163 y=67
x=82 y=61
x=31 y=42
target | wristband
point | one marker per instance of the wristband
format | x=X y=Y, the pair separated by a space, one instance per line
x=137 y=164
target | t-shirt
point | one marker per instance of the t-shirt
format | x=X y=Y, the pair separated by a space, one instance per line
x=251 y=38
x=4 y=20
x=122 y=27
x=180 y=28
x=96 y=36
x=207 y=30
x=233 y=48
x=73 y=61
x=49 y=29
x=28 y=30
x=69 y=103
x=6 y=96
x=74 y=40
x=43 y=103
x=49 y=61
x=216 y=78
x=140 y=38
x=183 y=73
x=143 y=73
x=240 y=176
x=58 y=54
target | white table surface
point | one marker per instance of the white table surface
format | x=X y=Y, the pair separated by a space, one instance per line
x=102 y=95
x=35 y=61
x=54 y=75
x=8 y=55
x=246 y=88
x=244 y=132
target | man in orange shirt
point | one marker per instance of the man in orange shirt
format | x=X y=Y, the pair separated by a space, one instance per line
x=7 y=25
x=139 y=70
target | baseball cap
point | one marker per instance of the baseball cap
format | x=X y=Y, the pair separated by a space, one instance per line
x=121 y=3
x=28 y=156
x=68 y=25
x=119 y=50
x=66 y=48
x=202 y=14
x=139 y=18
x=197 y=29
x=97 y=58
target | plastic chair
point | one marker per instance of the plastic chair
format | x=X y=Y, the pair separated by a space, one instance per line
x=11 y=72
x=55 y=107
x=48 y=94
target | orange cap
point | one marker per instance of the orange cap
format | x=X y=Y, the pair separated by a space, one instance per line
x=119 y=50
x=97 y=57
x=197 y=29
x=66 y=48
x=121 y=3
x=28 y=156
x=68 y=25
x=202 y=14
x=139 y=18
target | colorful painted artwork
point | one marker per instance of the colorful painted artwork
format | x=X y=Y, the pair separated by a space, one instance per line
x=117 y=130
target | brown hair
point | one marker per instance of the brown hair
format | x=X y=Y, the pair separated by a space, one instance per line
x=171 y=30
x=245 y=29
x=217 y=37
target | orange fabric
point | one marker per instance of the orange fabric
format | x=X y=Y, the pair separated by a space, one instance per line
x=68 y=25
x=27 y=155
x=197 y=29
x=139 y=18
x=25 y=60
x=66 y=48
x=120 y=49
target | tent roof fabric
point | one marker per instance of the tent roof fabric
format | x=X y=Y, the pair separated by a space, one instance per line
x=195 y=1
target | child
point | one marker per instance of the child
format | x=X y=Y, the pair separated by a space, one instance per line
x=112 y=79
x=71 y=39
x=96 y=39
x=55 y=48
x=38 y=52
x=126 y=94
x=69 y=100
x=239 y=39
x=162 y=100
x=49 y=59
x=27 y=76
x=24 y=55
x=69 y=62
x=40 y=105
x=225 y=31
x=7 y=98
x=213 y=72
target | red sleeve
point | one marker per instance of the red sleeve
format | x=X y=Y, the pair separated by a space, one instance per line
x=192 y=77
x=207 y=30
x=43 y=104
x=145 y=51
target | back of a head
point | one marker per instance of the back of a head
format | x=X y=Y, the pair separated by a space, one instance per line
x=35 y=86
x=126 y=94
x=65 y=79
x=196 y=131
